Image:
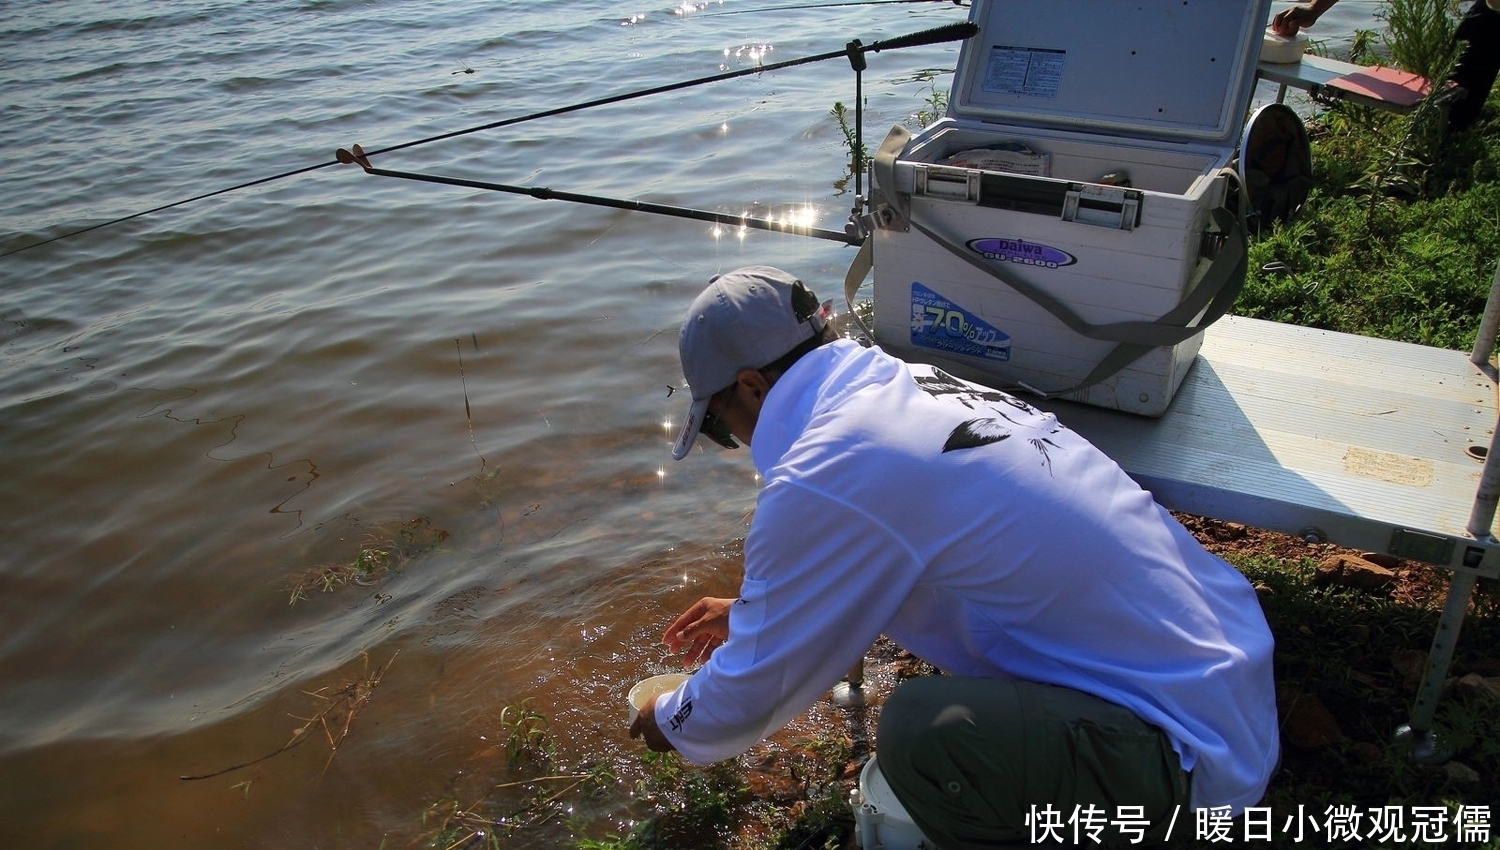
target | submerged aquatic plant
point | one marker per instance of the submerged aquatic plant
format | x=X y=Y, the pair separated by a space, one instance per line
x=527 y=732
x=384 y=552
x=335 y=717
x=525 y=801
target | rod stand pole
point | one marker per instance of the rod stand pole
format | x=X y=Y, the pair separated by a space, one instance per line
x=1422 y=742
x=856 y=53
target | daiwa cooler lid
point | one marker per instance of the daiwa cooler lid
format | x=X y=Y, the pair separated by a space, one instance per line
x=1178 y=70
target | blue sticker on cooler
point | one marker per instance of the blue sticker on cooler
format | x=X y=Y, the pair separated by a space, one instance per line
x=1022 y=252
x=939 y=324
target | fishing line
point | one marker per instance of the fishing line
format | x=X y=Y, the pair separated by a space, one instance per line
x=951 y=32
x=125 y=218
x=468 y=414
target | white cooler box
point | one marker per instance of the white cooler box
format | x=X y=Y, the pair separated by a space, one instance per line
x=1006 y=267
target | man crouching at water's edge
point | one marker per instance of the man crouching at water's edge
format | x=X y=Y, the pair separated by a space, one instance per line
x=1096 y=654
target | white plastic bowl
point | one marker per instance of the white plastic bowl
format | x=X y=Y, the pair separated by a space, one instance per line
x=1280 y=50
x=650 y=689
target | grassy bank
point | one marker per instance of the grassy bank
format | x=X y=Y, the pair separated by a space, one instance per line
x=1396 y=239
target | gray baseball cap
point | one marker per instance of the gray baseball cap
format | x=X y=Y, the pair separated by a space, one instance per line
x=745 y=319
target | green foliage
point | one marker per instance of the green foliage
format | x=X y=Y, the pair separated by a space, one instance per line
x=527 y=733
x=1362 y=49
x=694 y=807
x=1420 y=35
x=855 y=147
x=1471 y=727
x=1397 y=271
x=1397 y=238
x=825 y=823
x=1392 y=242
x=935 y=107
x=534 y=796
x=627 y=842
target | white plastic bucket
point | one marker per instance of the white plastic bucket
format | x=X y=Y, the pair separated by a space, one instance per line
x=880 y=821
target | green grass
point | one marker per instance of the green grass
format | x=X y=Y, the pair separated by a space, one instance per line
x=1397 y=238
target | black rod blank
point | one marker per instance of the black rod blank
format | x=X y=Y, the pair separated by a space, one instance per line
x=546 y=194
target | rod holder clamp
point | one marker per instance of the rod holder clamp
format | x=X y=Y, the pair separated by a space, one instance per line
x=856 y=52
x=354 y=157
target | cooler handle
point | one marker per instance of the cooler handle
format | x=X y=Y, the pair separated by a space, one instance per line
x=890 y=209
x=1105 y=206
x=1081 y=203
x=955 y=184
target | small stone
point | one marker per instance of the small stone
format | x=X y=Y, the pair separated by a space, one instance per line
x=1409 y=664
x=1353 y=571
x=1308 y=724
x=1461 y=773
x=1475 y=685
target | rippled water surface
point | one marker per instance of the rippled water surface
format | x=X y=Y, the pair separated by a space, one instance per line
x=201 y=406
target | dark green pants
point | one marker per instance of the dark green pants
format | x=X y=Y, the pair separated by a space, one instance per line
x=991 y=763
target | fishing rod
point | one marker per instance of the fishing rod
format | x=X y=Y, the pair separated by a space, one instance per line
x=854 y=51
x=937 y=35
x=358 y=156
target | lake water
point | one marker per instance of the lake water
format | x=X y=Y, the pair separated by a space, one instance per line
x=202 y=405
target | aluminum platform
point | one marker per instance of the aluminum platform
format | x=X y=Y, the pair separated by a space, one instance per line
x=1365 y=443
x=1362 y=442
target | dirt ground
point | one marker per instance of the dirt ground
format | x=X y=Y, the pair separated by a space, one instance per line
x=1416 y=585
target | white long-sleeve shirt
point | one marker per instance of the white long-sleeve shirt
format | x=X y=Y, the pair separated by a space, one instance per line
x=989 y=540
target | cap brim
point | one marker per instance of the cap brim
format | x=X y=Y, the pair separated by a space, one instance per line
x=690 y=428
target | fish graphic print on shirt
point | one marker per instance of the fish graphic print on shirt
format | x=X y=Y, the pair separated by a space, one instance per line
x=983 y=430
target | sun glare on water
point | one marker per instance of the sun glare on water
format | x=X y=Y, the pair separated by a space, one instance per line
x=790 y=220
x=686 y=8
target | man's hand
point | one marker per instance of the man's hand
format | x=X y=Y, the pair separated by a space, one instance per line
x=645 y=726
x=699 y=630
x=1288 y=21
